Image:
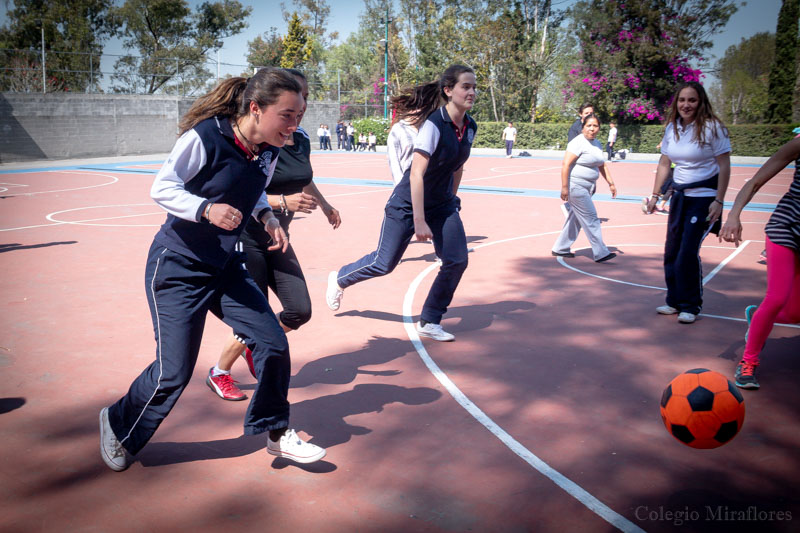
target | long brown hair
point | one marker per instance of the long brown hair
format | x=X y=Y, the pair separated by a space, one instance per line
x=703 y=114
x=414 y=104
x=232 y=97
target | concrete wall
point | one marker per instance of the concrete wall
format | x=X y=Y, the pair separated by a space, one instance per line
x=62 y=126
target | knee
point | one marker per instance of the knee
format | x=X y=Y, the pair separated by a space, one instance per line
x=295 y=316
x=456 y=265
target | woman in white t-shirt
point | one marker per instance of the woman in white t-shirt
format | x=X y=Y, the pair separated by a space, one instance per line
x=697 y=142
x=582 y=166
x=411 y=108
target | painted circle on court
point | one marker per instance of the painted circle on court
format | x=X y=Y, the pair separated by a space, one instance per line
x=101 y=220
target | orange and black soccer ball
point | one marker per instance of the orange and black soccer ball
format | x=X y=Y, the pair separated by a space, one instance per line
x=702 y=409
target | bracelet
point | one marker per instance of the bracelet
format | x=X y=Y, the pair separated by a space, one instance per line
x=208 y=210
x=720 y=202
x=656 y=196
x=282 y=203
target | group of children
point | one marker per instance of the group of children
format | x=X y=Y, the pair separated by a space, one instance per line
x=226 y=190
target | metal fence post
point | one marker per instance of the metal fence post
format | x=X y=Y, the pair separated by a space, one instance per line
x=44 y=83
x=91 y=71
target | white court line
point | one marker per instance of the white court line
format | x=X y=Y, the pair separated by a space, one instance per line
x=569 y=486
x=508 y=174
x=113 y=181
x=724 y=262
x=355 y=193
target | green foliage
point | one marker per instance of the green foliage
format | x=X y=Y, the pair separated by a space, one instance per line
x=265 y=51
x=380 y=127
x=297 y=47
x=743 y=73
x=746 y=140
x=783 y=75
x=172 y=42
x=633 y=52
x=73 y=29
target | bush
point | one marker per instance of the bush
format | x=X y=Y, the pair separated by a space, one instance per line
x=761 y=140
x=379 y=126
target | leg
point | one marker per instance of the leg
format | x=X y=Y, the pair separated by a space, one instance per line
x=179 y=291
x=580 y=199
x=780 y=299
x=396 y=232
x=289 y=284
x=244 y=308
x=569 y=233
x=688 y=268
x=450 y=243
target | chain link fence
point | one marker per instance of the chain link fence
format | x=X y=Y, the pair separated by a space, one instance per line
x=34 y=71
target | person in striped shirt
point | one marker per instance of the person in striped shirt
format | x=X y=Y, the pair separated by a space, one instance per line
x=781 y=301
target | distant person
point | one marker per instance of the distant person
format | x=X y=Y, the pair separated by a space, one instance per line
x=582 y=166
x=698 y=143
x=340 y=136
x=351 y=140
x=577 y=126
x=362 y=142
x=509 y=136
x=612 y=139
x=328 y=142
x=321 y=136
x=372 y=141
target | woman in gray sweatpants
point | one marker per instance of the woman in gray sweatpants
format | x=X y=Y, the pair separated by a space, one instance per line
x=583 y=164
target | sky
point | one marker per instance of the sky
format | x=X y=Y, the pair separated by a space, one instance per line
x=752 y=17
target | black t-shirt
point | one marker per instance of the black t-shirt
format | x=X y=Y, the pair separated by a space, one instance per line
x=292 y=173
x=294 y=167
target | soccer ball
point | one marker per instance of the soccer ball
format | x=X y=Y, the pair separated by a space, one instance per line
x=702 y=409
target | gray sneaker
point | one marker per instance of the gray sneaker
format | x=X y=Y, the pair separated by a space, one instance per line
x=113 y=453
x=685 y=317
x=666 y=310
x=435 y=332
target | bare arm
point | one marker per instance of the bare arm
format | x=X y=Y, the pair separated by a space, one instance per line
x=566 y=165
x=715 y=209
x=606 y=173
x=661 y=176
x=732 y=229
x=331 y=212
x=419 y=165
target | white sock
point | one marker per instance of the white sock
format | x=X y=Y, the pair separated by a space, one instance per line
x=217 y=371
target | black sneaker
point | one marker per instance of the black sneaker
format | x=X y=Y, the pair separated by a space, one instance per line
x=745 y=376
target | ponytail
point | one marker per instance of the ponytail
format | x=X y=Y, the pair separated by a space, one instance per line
x=231 y=98
x=414 y=104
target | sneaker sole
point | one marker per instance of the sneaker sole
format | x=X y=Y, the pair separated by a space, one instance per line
x=747 y=385
x=219 y=392
x=673 y=312
x=434 y=338
x=297 y=459
x=106 y=459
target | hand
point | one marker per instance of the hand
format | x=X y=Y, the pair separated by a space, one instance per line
x=732 y=230
x=333 y=216
x=613 y=189
x=224 y=216
x=300 y=201
x=422 y=231
x=279 y=237
x=565 y=193
x=651 y=204
x=714 y=212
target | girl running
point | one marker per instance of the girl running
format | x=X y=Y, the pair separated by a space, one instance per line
x=782 y=300
x=214 y=179
x=583 y=164
x=697 y=142
x=291 y=190
x=411 y=108
x=425 y=204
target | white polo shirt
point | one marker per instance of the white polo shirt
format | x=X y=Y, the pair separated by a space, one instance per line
x=695 y=162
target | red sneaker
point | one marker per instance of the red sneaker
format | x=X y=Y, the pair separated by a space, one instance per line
x=225 y=386
x=248 y=356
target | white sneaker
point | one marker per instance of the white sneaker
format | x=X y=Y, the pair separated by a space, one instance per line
x=113 y=453
x=645 y=201
x=334 y=293
x=290 y=446
x=435 y=332
x=666 y=310
x=686 y=318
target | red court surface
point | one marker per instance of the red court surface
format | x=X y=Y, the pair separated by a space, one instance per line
x=543 y=415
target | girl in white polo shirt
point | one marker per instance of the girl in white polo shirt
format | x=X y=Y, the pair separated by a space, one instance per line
x=697 y=142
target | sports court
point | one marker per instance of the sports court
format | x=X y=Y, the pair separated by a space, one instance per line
x=542 y=416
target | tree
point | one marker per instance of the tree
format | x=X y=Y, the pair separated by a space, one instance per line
x=743 y=78
x=634 y=52
x=296 y=46
x=172 y=42
x=783 y=75
x=74 y=32
x=266 y=51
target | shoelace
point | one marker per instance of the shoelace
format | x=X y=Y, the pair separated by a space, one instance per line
x=748 y=370
x=226 y=382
